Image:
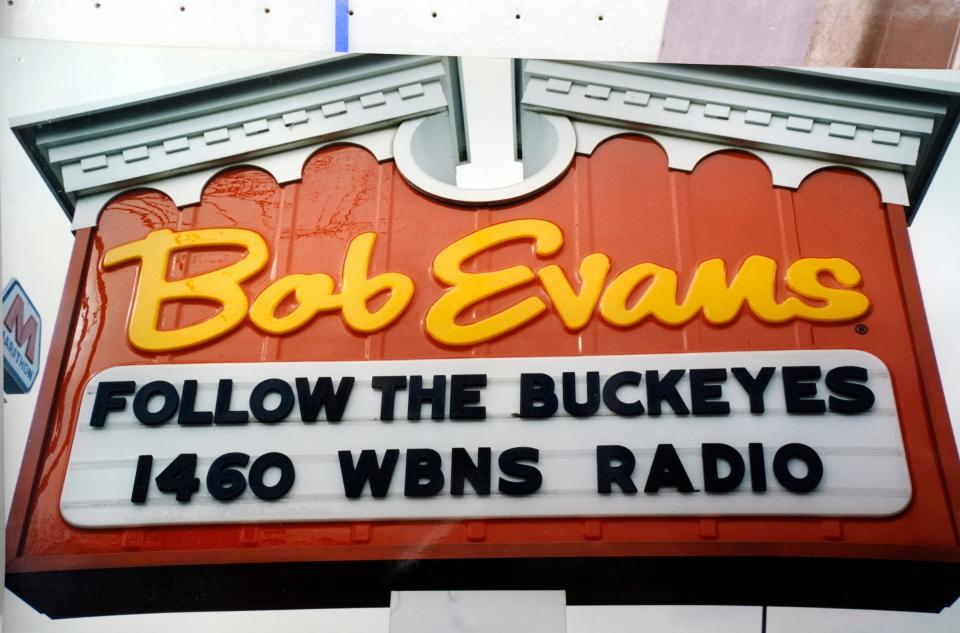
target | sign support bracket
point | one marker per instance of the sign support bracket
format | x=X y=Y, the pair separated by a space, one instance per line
x=478 y=611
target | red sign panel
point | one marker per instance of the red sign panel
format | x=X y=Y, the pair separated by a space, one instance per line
x=309 y=379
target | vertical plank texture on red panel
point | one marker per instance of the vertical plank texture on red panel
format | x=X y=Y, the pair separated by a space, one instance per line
x=623 y=201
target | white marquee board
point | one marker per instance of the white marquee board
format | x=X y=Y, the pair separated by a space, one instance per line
x=863 y=460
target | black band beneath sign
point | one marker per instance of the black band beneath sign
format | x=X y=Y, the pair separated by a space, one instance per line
x=774 y=581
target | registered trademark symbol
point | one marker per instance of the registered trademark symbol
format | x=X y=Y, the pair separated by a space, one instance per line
x=861 y=328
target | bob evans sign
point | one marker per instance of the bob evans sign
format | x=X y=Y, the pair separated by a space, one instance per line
x=753 y=433
x=825 y=289
x=318 y=369
x=791 y=432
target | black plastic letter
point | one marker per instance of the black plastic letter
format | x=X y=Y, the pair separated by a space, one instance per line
x=463 y=469
x=222 y=413
x=592 y=403
x=611 y=398
x=705 y=392
x=367 y=469
x=754 y=385
x=223 y=482
x=163 y=389
x=510 y=465
x=188 y=415
x=323 y=398
x=437 y=397
x=537 y=397
x=667 y=471
x=107 y=399
x=799 y=388
x=619 y=473
x=388 y=386
x=758 y=468
x=259 y=394
x=464 y=396
x=660 y=389
x=141 y=479
x=712 y=481
x=846 y=381
x=283 y=485
x=424 y=474
x=808 y=456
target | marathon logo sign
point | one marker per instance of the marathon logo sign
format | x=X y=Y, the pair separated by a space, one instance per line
x=777 y=433
x=21 y=340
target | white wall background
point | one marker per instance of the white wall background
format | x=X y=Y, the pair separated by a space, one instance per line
x=41 y=75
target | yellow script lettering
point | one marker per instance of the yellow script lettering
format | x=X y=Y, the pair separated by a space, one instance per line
x=803 y=277
x=658 y=299
x=468 y=289
x=220 y=286
x=824 y=289
x=754 y=284
x=314 y=294
x=576 y=309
